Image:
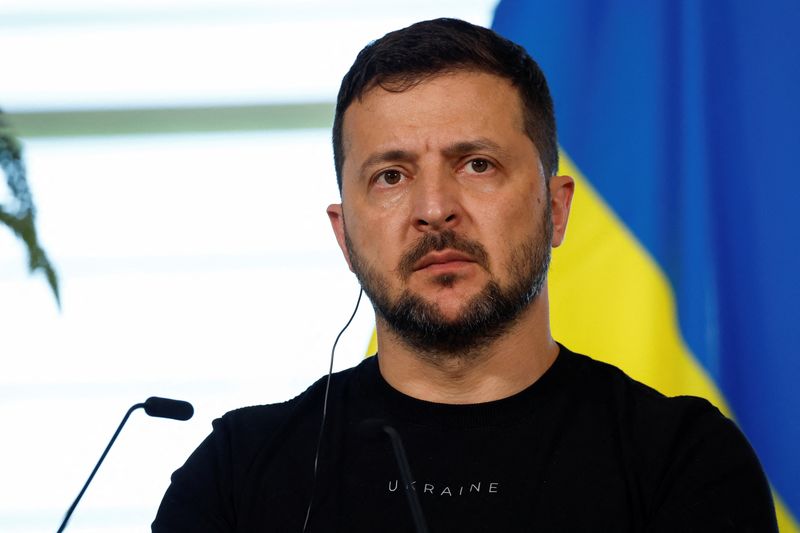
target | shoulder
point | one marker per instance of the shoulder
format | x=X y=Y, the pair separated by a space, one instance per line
x=259 y=422
x=650 y=421
x=607 y=385
x=210 y=491
x=699 y=466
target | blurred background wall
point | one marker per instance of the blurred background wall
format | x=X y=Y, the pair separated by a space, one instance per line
x=178 y=152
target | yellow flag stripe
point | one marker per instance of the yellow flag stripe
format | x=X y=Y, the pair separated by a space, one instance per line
x=372 y=346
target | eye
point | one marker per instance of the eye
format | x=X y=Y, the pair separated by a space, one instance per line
x=389 y=177
x=478 y=166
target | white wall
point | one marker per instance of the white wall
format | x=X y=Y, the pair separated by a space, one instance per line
x=199 y=266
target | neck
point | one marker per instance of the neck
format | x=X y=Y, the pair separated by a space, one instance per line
x=508 y=365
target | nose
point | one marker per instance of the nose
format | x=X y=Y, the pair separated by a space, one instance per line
x=436 y=205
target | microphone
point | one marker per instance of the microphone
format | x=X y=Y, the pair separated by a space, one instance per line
x=153 y=406
x=167 y=408
x=374 y=426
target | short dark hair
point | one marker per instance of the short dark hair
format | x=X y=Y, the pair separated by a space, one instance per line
x=403 y=58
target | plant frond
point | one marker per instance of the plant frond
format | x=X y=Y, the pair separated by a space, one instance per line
x=21 y=217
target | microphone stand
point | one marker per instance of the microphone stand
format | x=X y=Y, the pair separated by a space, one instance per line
x=97 y=466
x=153 y=406
x=405 y=473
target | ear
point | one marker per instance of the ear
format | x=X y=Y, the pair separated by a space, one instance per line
x=336 y=216
x=561 y=190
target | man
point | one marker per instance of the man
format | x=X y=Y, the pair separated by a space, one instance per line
x=445 y=151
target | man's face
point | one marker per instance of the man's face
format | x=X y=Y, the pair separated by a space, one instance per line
x=445 y=214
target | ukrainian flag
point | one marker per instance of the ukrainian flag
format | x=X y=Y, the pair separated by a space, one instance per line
x=680 y=120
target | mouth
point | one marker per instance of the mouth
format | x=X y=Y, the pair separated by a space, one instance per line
x=443 y=253
x=442 y=259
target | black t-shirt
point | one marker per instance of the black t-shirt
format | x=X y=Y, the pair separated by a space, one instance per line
x=585 y=448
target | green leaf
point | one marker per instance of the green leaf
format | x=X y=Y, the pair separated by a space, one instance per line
x=21 y=217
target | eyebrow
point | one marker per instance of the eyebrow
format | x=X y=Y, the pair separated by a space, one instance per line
x=480 y=144
x=387 y=156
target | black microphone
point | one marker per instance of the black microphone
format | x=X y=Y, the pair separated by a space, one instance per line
x=153 y=406
x=375 y=426
x=166 y=408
